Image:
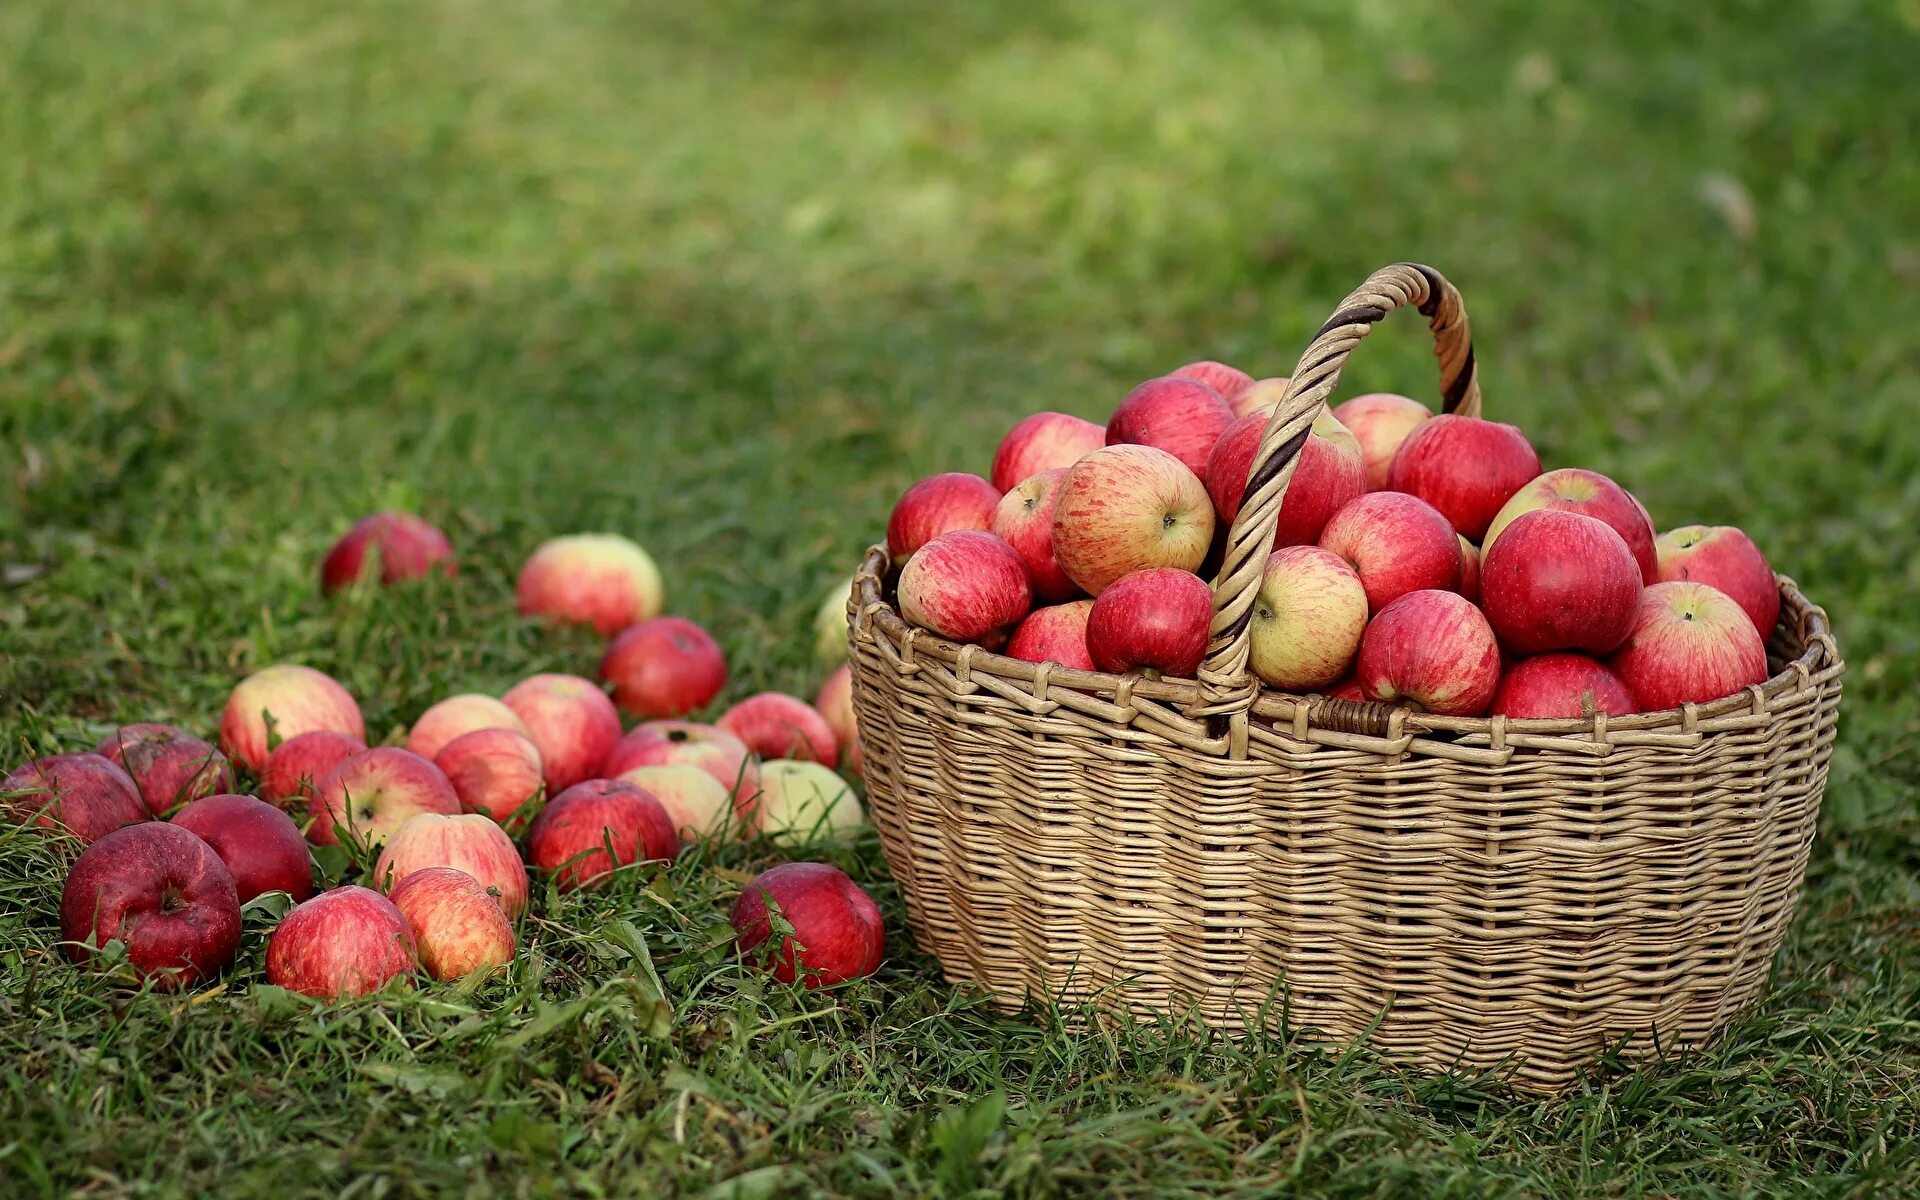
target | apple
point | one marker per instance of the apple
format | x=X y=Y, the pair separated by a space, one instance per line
x=1690 y=643
x=572 y=722
x=1024 y=521
x=803 y=800
x=1045 y=441
x=838 y=933
x=1180 y=416
x=937 y=504
x=81 y=794
x=1469 y=570
x=1226 y=380
x=345 y=942
x=664 y=667
x=1347 y=689
x=297 y=765
x=712 y=749
x=830 y=624
x=1433 y=649
x=261 y=845
x=1261 y=396
x=407 y=546
x=1330 y=475
x=278 y=703
x=1127 y=508
x=495 y=772
x=574 y=832
x=1590 y=494
x=1154 y=619
x=169 y=766
x=835 y=704
x=374 y=793
x=1055 y=634
x=457 y=925
x=1380 y=421
x=1307 y=619
x=1562 y=685
x=1465 y=467
x=162 y=893
x=695 y=801
x=598 y=579
x=457 y=716
x=776 y=725
x=1556 y=580
x=967 y=586
x=1397 y=544
x=1723 y=557
x=468 y=842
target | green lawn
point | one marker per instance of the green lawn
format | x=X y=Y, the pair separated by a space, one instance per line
x=726 y=282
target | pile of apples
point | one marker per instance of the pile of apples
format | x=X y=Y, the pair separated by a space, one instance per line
x=445 y=827
x=1419 y=559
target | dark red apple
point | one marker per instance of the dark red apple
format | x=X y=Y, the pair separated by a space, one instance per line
x=1562 y=685
x=160 y=891
x=261 y=845
x=170 y=766
x=573 y=833
x=81 y=794
x=1556 y=580
x=1465 y=467
x=665 y=667
x=838 y=933
x=407 y=546
x=1157 y=618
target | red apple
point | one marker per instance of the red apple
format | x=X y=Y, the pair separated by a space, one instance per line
x=161 y=892
x=495 y=772
x=712 y=749
x=573 y=833
x=937 y=504
x=1690 y=643
x=800 y=801
x=598 y=579
x=457 y=716
x=838 y=933
x=1559 y=581
x=665 y=667
x=1127 y=508
x=1045 y=441
x=1307 y=619
x=1433 y=649
x=1465 y=467
x=1380 y=421
x=1226 y=380
x=457 y=926
x=407 y=546
x=1024 y=521
x=1155 y=619
x=1469 y=570
x=374 y=793
x=1330 y=475
x=261 y=845
x=1261 y=396
x=81 y=794
x=572 y=722
x=1723 y=557
x=1590 y=494
x=1180 y=416
x=1562 y=685
x=290 y=700
x=835 y=703
x=967 y=586
x=170 y=766
x=297 y=765
x=468 y=842
x=1057 y=634
x=696 y=803
x=345 y=942
x=1347 y=689
x=776 y=725
x=1397 y=544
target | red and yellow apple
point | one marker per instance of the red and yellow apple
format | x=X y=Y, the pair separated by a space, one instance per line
x=297 y=765
x=695 y=801
x=1723 y=557
x=1226 y=380
x=278 y=703
x=1330 y=474
x=371 y=795
x=1024 y=520
x=468 y=842
x=965 y=585
x=572 y=723
x=457 y=716
x=1397 y=544
x=495 y=772
x=342 y=943
x=1590 y=494
x=803 y=800
x=835 y=703
x=1045 y=441
x=574 y=833
x=1127 y=508
x=776 y=725
x=1180 y=416
x=712 y=749
x=1433 y=649
x=598 y=579
x=457 y=926
x=1307 y=619
x=830 y=624
x=1261 y=396
x=1056 y=634
x=664 y=667
x=406 y=546
x=1469 y=570
x=1690 y=643
x=1380 y=421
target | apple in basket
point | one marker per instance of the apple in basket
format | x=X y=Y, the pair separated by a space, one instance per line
x=260 y=844
x=1562 y=685
x=1024 y=521
x=966 y=585
x=838 y=933
x=937 y=505
x=1433 y=649
x=570 y=721
x=81 y=794
x=597 y=579
x=1380 y=421
x=1397 y=544
x=1465 y=467
x=1723 y=557
x=1228 y=381
x=1590 y=494
x=457 y=716
x=495 y=772
x=345 y=942
x=457 y=926
x=1056 y=634
x=1329 y=475
x=1557 y=580
x=163 y=894
x=295 y=768
x=1307 y=619
x=1156 y=619
x=1045 y=441
x=1180 y=416
x=1127 y=508
x=1690 y=643
x=407 y=547
x=1469 y=570
x=281 y=702
x=170 y=766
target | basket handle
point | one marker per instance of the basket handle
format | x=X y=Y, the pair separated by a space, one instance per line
x=1224 y=673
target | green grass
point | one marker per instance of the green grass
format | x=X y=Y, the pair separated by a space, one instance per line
x=726 y=282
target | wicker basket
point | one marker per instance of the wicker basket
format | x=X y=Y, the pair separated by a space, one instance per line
x=1461 y=893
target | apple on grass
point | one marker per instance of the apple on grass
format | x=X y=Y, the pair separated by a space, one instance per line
x=1380 y=421
x=695 y=801
x=468 y=842
x=1591 y=494
x=1690 y=643
x=163 y=894
x=835 y=703
x=495 y=772
x=1156 y=619
x=1307 y=619
x=776 y=725
x=1723 y=557
x=1562 y=685
x=937 y=505
x=838 y=933
x=1465 y=467
x=169 y=766
x=708 y=747
x=965 y=585
x=801 y=801
x=1557 y=580
x=406 y=547
x=457 y=925
x=830 y=624
x=598 y=579
x=572 y=723
x=1330 y=474
x=1183 y=417
x=295 y=768
x=1024 y=521
x=1127 y=508
x=574 y=833
x=81 y=794
x=1261 y=396
x=1045 y=441
x=1397 y=544
x=278 y=703
x=457 y=716
x=371 y=795
x=1056 y=634
x=1432 y=649
x=1469 y=570
x=1227 y=381
x=345 y=942
x=664 y=667
x=260 y=844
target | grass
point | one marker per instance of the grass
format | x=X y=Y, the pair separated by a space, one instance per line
x=726 y=277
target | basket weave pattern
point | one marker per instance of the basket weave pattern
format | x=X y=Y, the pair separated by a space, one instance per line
x=1462 y=892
